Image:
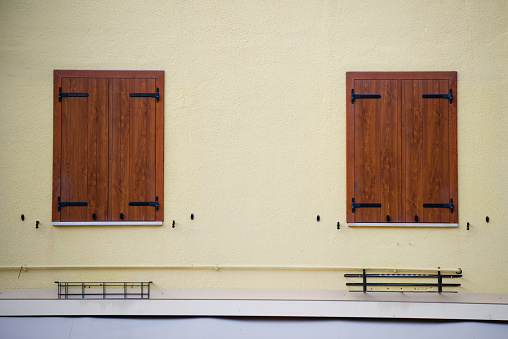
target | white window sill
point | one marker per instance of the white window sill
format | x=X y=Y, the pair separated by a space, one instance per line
x=107 y=223
x=401 y=224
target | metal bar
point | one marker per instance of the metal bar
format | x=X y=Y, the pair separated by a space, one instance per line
x=146 y=95
x=440 y=282
x=405 y=291
x=363 y=96
x=439 y=96
x=230 y=267
x=450 y=205
x=70 y=203
x=364 y=284
x=403 y=275
x=146 y=203
x=364 y=204
x=64 y=95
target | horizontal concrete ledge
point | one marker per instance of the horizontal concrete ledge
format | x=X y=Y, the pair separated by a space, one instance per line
x=255 y=308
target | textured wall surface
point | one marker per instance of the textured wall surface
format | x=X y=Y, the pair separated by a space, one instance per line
x=255 y=141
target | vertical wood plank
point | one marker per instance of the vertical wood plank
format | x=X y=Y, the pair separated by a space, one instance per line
x=413 y=141
x=367 y=153
x=142 y=150
x=435 y=166
x=159 y=147
x=74 y=149
x=120 y=130
x=452 y=144
x=350 y=148
x=98 y=148
x=57 y=145
x=390 y=150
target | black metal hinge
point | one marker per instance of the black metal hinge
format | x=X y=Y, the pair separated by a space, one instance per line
x=149 y=95
x=66 y=204
x=146 y=203
x=363 y=96
x=439 y=96
x=64 y=95
x=357 y=205
x=450 y=205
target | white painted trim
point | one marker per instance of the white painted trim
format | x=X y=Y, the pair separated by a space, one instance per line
x=255 y=308
x=107 y=223
x=400 y=224
x=275 y=294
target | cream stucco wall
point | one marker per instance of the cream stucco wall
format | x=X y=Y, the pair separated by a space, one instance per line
x=254 y=137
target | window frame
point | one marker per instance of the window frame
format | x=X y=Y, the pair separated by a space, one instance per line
x=451 y=77
x=158 y=76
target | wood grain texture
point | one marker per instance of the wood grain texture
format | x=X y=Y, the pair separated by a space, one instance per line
x=377 y=151
x=120 y=149
x=98 y=152
x=108 y=147
x=74 y=168
x=57 y=146
x=367 y=151
x=416 y=152
x=413 y=149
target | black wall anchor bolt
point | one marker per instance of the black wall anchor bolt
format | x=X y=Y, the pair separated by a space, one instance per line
x=338 y=225
x=22 y=217
x=37 y=224
x=173 y=224
x=467 y=226
x=487 y=219
x=192 y=216
x=318 y=218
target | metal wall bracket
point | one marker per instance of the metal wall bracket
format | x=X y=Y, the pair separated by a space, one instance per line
x=149 y=95
x=363 y=96
x=439 y=96
x=64 y=95
x=146 y=203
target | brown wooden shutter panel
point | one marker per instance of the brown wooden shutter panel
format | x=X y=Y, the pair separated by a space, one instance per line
x=84 y=133
x=402 y=148
x=108 y=146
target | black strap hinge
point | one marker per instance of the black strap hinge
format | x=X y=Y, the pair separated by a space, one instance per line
x=357 y=205
x=363 y=96
x=149 y=95
x=64 y=95
x=146 y=203
x=439 y=96
x=450 y=205
x=66 y=204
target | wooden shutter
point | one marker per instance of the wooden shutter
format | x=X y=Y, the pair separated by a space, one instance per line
x=108 y=145
x=402 y=147
x=377 y=150
x=427 y=150
x=84 y=152
x=133 y=149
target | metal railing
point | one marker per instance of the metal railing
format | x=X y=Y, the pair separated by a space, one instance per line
x=103 y=290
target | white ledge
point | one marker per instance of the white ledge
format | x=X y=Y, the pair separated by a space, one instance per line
x=255 y=308
x=107 y=223
x=401 y=224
